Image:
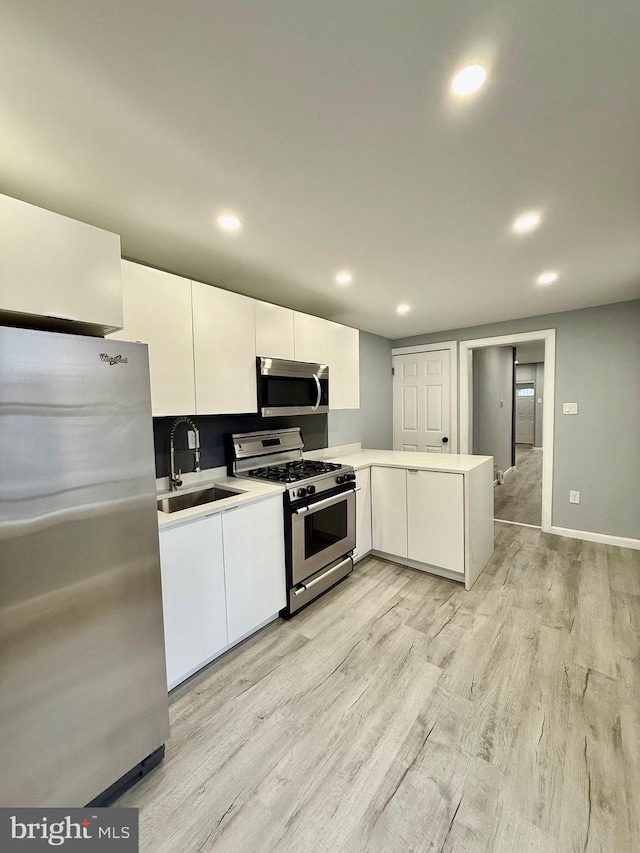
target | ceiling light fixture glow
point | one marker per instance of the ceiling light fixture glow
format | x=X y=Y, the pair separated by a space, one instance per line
x=403 y=308
x=525 y=223
x=547 y=277
x=468 y=80
x=344 y=277
x=229 y=222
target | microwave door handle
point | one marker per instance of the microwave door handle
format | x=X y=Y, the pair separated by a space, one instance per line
x=317 y=381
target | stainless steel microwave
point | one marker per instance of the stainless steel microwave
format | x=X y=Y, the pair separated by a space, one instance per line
x=292 y=387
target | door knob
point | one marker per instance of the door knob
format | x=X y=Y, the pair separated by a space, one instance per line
x=445 y=440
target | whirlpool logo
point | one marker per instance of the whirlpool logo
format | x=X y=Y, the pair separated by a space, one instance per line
x=71 y=829
x=113 y=359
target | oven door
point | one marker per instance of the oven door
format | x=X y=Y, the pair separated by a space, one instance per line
x=321 y=532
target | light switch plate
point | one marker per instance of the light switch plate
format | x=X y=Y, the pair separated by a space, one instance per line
x=569 y=408
x=574 y=497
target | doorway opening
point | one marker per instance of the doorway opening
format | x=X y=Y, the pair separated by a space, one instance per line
x=506 y=411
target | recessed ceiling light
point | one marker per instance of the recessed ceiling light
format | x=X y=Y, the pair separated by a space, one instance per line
x=344 y=277
x=403 y=308
x=525 y=223
x=547 y=277
x=469 y=79
x=229 y=222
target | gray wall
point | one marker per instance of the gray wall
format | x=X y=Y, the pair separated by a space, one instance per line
x=372 y=424
x=493 y=404
x=598 y=450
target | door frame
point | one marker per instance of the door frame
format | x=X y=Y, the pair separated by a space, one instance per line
x=452 y=346
x=548 y=415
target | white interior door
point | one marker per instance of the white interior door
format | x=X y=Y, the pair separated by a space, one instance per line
x=525 y=412
x=422 y=402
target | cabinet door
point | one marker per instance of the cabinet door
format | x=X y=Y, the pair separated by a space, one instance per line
x=53 y=266
x=193 y=596
x=157 y=311
x=435 y=505
x=344 y=366
x=224 y=342
x=254 y=565
x=389 y=510
x=311 y=339
x=274 y=331
x=363 y=512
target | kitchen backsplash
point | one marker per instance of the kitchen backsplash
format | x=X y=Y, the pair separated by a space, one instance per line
x=213 y=430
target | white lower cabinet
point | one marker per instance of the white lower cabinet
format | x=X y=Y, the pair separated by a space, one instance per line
x=193 y=597
x=435 y=519
x=223 y=577
x=389 y=510
x=254 y=565
x=364 y=540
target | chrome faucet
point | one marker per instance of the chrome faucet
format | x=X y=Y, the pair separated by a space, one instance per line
x=174 y=479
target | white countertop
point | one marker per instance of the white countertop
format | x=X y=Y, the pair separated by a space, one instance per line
x=452 y=463
x=247 y=492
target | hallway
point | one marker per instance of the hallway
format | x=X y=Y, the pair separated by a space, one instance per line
x=520 y=498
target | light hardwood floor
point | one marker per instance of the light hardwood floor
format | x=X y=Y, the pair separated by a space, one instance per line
x=520 y=498
x=401 y=713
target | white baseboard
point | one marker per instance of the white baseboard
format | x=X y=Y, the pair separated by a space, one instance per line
x=537 y=448
x=517 y=523
x=508 y=471
x=589 y=536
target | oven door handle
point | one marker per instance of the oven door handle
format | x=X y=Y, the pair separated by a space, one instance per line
x=317 y=381
x=305 y=586
x=322 y=504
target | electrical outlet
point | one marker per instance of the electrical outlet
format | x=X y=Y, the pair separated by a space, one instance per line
x=191 y=439
x=574 y=497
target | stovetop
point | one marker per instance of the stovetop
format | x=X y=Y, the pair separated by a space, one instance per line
x=295 y=471
x=283 y=449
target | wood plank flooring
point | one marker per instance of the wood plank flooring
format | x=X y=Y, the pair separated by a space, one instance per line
x=520 y=497
x=401 y=713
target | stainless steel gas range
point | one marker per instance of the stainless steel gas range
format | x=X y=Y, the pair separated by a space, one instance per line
x=319 y=509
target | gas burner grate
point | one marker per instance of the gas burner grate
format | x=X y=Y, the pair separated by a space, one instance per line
x=294 y=472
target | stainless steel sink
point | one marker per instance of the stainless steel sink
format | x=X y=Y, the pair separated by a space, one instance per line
x=174 y=503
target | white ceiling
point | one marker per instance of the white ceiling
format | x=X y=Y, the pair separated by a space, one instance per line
x=328 y=127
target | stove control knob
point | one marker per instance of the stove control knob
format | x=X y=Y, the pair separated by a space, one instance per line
x=351 y=476
x=302 y=492
x=340 y=479
x=311 y=490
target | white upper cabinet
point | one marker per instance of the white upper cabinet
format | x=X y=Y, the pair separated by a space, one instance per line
x=343 y=353
x=224 y=343
x=311 y=339
x=55 y=267
x=274 y=331
x=157 y=311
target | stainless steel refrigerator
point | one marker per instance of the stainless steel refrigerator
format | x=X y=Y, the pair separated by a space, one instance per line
x=83 y=698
